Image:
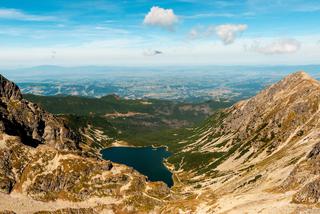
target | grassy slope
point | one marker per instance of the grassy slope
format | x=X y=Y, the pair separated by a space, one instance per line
x=162 y=122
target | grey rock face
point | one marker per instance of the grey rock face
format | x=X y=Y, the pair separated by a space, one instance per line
x=14 y=157
x=6 y=176
x=18 y=117
x=9 y=90
x=315 y=151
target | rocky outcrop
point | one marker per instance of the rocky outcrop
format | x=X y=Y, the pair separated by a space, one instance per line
x=315 y=152
x=305 y=177
x=32 y=124
x=45 y=174
x=14 y=157
x=309 y=194
x=9 y=90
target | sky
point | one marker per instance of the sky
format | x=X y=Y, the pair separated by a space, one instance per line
x=155 y=33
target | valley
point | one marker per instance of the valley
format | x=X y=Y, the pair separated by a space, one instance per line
x=159 y=107
x=145 y=122
x=188 y=84
x=259 y=155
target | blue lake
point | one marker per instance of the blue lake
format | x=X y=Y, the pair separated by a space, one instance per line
x=146 y=160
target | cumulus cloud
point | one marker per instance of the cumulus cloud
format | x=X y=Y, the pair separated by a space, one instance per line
x=229 y=32
x=281 y=46
x=161 y=17
x=201 y=32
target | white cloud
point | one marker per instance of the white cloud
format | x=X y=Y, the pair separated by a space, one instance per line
x=19 y=15
x=201 y=32
x=129 y=51
x=208 y=15
x=213 y=15
x=161 y=17
x=229 y=32
x=281 y=46
x=152 y=52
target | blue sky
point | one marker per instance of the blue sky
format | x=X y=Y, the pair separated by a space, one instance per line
x=141 y=32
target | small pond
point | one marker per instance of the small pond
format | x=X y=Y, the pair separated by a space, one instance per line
x=146 y=160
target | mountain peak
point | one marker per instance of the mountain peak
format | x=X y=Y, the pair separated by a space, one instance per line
x=299 y=75
x=266 y=122
x=293 y=82
x=9 y=90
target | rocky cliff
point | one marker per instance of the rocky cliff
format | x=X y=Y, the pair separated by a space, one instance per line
x=31 y=123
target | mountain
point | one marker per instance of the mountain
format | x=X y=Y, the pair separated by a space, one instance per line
x=261 y=155
x=44 y=167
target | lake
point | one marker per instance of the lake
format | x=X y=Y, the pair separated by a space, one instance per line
x=146 y=160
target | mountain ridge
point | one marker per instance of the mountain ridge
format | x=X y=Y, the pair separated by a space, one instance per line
x=9 y=89
x=255 y=148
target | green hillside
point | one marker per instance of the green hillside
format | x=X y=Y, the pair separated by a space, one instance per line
x=138 y=122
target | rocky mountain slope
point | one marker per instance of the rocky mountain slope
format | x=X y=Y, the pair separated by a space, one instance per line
x=259 y=156
x=45 y=168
